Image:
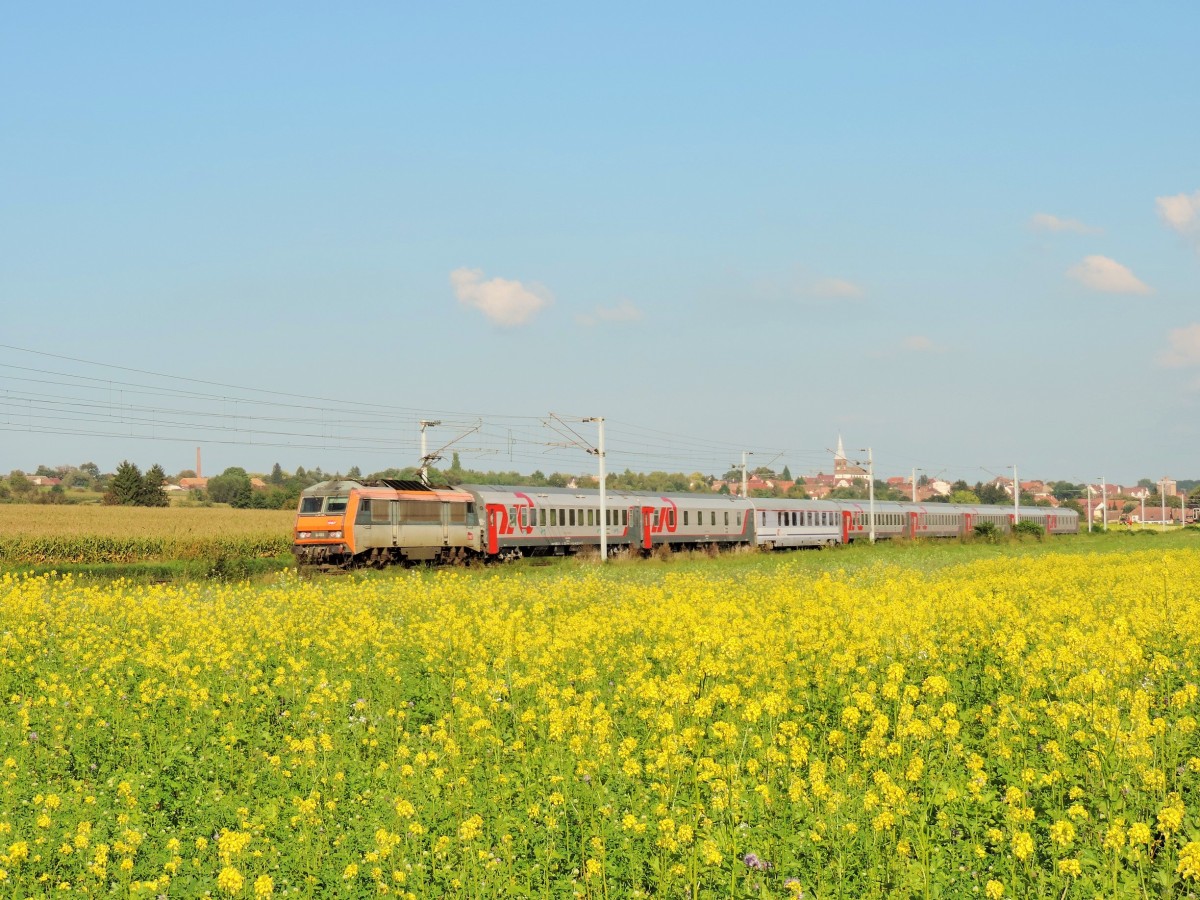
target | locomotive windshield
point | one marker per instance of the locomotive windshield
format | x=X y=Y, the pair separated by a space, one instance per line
x=313 y=505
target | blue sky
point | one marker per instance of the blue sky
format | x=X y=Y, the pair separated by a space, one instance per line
x=963 y=235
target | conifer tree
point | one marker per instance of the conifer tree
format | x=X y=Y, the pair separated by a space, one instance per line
x=152 y=493
x=125 y=489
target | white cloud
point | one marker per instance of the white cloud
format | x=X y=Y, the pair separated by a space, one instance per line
x=1103 y=274
x=1048 y=222
x=1181 y=211
x=918 y=343
x=505 y=302
x=622 y=312
x=1183 y=348
x=838 y=288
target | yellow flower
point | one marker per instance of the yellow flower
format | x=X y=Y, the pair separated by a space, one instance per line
x=230 y=880
x=1069 y=867
x=1189 y=861
x=1062 y=833
x=1022 y=843
x=993 y=890
x=264 y=886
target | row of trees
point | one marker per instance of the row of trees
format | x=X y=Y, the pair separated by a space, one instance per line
x=128 y=486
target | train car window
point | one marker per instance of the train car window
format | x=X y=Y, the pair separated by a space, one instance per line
x=472 y=518
x=670 y=518
x=591 y=520
x=625 y=517
x=381 y=513
x=336 y=504
x=521 y=515
x=571 y=517
x=363 y=516
x=310 y=505
x=713 y=515
x=458 y=513
x=739 y=520
x=512 y=515
x=554 y=517
x=541 y=514
x=727 y=518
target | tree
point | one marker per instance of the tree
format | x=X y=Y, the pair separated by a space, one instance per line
x=232 y=486
x=91 y=469
x=125 y=489
x=968 y=497
x=797 y=491
x=276 y=476
x=1145 y=482
x=1065 y=490
x=992 y=494
x=355 y=474
x=787 y=474
x=19 y=484
x=152 y=493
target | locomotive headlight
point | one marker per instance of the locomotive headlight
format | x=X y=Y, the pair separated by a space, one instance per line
x=303 y=535
x=335 y=534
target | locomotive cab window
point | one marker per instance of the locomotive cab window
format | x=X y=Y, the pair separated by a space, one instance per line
x=311 y=505
x=336 y=504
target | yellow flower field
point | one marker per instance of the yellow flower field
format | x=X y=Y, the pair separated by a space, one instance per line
x=1011 y=727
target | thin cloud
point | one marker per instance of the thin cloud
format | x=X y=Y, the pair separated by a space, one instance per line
x=505 y=302
x=919 y=343
x=1048 y=222
x=838 y=289
x=1183 y=348
x=1180 y=212
x=622 y=312
x=1107 y=275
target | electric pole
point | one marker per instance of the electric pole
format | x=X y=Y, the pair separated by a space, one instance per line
x=426 y=423
x=1104 y=502
x=870 y=490
x=599 y=451
x=1016 y=497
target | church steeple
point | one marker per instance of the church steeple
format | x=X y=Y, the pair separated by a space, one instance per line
x=841 y=452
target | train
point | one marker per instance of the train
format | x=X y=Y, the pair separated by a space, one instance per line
x=348 y=524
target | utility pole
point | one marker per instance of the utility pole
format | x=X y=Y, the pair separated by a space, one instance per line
x=599 y=451
x=870 y=490
x=745 y=477
x=1142 y=520
x=426 y=423
x=914 y=483
x=1016 y=497
x=1162 y=494
x=1104 y=502
x=1089 y=509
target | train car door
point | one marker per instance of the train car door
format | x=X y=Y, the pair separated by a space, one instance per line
x=847 y=525
x=495 y=519
x=968 y=523
x=912 y=524
x=647 y=528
